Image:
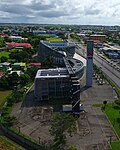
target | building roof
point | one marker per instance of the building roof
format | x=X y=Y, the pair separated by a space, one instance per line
x=3 y=34
x=52 y=73
x=1 y=74
x=5 y=64
x=98 y=35
x=18 y=72
x=13 y=44
x=19 y=64
x=35 y=64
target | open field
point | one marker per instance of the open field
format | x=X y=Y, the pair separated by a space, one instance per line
x=54 y=39
x=115 y=145
x=6 y=54
x=44 y=35
x=5 y=144
x=3 y=95
x=113 y=113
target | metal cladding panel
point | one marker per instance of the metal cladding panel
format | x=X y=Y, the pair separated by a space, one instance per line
x=90 y=49
x=89 y=69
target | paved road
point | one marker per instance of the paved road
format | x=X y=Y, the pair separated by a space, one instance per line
x=110 y=71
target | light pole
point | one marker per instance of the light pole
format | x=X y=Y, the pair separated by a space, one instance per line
x=19 y=129
x=113 y=88
x=39 y=139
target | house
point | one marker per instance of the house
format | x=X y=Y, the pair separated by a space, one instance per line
x=101 y=38
x=6 y=65
x=18 y=72
x=35 y=64
x=19 y=66
x=1 y=74
x=16 y=38
x=13 y=45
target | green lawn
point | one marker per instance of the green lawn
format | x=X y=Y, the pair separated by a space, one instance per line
x=6 y=54
x=113 y=113
x=115 y=145
x=3 y=95
x=5 y=144
x=54 y=39
x=44 y=35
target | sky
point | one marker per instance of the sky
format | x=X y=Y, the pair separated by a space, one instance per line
x=83 y=12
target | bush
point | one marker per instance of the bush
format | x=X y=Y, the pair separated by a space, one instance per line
x=72 y=148
x=8 y=120
x=117 y=102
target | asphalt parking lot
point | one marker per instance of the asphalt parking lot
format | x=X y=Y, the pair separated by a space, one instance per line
x=93 y=128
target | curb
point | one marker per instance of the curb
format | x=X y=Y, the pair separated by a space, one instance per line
x=112 y=127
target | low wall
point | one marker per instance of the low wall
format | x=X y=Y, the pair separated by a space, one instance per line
x=26 y=143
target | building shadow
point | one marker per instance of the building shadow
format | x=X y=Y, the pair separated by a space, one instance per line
x=56 y=103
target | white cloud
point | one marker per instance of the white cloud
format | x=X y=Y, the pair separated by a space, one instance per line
x=61 y=11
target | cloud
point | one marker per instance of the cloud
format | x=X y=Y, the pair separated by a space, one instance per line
x=60 y=11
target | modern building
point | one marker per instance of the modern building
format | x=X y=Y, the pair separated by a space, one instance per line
x=111 y=51
x=52 y=83
x=56 y=51
x=101 y=38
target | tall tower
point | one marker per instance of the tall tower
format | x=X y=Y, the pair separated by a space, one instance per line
x=89 y=68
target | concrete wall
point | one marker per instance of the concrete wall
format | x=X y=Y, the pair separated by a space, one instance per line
x=21 y=140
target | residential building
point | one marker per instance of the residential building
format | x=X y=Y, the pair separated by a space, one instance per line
x=23 y=45
x=100 y=38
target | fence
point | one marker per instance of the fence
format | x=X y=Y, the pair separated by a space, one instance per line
x=21 y=140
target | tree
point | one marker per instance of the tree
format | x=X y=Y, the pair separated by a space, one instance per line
x=47 y=63
x=24 y=78
x=13 y=79
x=62 y=123
x=104 y=103
x=31 y=72
x=7 y=39
x=3 y=59
x=15 y=97
x=8 y=120
x=20 y=55
x=1 y=42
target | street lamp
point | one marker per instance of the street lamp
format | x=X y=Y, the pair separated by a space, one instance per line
x=39 y=139
x=19 y=129
x=113 y=88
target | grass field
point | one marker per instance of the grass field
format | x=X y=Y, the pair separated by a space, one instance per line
x=54 y=39
x=44 y=35
x=3 y=95
x=6 y=54
x=5 y=144
x=113 y=113
x=115 y=145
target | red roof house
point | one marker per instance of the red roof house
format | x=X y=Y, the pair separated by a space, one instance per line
x=35 y=64
x=13 y=45
x=1 y=74
x=3 y=34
